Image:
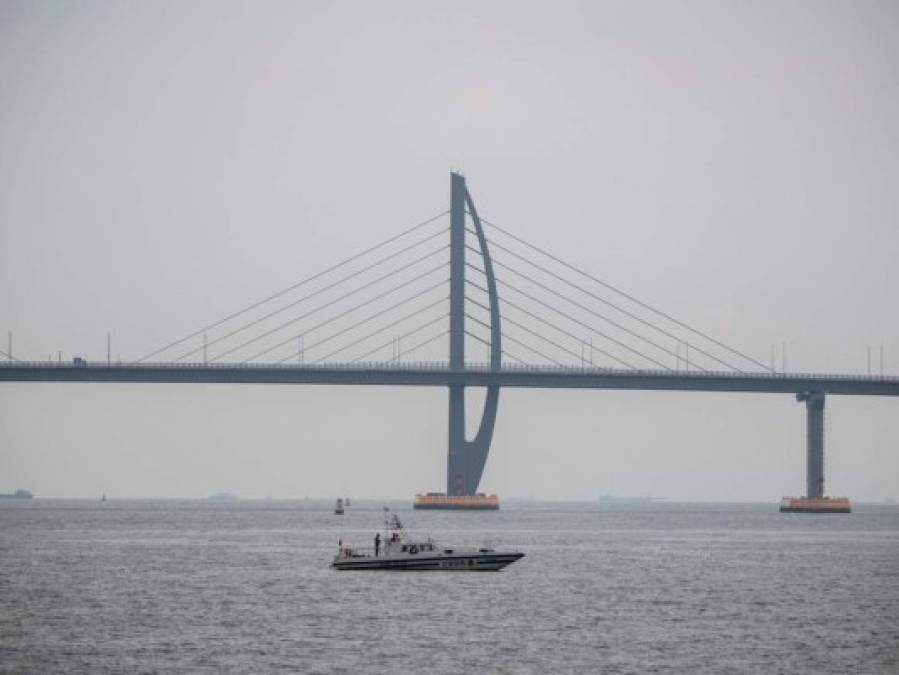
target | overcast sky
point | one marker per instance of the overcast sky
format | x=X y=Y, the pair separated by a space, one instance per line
x=163 y=164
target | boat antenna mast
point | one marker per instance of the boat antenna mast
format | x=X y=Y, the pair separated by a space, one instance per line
x=391 y=520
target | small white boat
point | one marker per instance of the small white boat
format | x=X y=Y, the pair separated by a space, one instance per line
x=338 y=508
x=401 y=552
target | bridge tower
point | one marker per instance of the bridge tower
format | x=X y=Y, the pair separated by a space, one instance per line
x=466 y=458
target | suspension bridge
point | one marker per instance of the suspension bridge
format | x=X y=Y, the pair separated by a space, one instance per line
x=457 y=301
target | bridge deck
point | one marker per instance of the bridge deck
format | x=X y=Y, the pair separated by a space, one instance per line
x=439 y=374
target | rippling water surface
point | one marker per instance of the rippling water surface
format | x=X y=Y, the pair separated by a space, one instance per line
x=163 y=586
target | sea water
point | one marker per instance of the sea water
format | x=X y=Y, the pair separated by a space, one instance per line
x=194 y=586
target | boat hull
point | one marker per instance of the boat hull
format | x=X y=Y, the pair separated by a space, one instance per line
x=480 y=562
x=18 y=494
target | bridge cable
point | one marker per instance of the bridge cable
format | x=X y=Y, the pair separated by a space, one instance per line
x=585 y=325
x=358 y=289
x=419 y=345
x=515 y=358
x=364 y=337
x=362 y=322
x=555 y=344
x=318 y=275
x=624 y=294
x=343 y=314
x=487 y=343
x=506 y=301
x=598 y=315
x=571 y=335
x=587 y=309
x=535 y=351
x=558 y=346
x=603 y=300
x=387 y=344
x=402 y=336
x=527 y=330
x=577 y=338
x=326 y=306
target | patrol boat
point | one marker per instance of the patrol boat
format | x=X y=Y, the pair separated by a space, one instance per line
x=401 y=552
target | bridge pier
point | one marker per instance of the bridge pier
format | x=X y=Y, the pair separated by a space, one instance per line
x=814 y=500
x=814 y=457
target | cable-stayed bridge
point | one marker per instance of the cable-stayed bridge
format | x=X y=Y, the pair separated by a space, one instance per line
x=458 y=301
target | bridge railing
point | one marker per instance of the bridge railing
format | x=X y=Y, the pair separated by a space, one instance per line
x=443 y=366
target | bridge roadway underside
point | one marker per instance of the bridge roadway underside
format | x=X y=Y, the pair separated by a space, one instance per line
x=437 y=376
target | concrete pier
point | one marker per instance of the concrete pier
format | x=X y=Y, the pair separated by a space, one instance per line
x=814 y=460
x=814 y=500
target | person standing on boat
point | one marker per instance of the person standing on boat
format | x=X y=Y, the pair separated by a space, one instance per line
x=377 y=543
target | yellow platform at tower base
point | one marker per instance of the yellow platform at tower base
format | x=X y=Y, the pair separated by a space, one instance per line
x=815 y=505
x=438 y=500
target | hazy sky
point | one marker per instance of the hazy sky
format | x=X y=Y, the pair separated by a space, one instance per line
x=162 y=164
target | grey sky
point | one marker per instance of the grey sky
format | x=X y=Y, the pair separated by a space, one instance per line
x=163 y=164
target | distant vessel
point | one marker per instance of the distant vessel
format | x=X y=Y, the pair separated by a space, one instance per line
x=18 y=494
x=222 y=497
x=440 y=500
x=815 y=505
x=627 y=501
x=338 y=507
x=103 y=498
x=346 y=502
x=404 y=553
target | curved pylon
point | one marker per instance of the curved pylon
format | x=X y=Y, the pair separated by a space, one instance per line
x=467 y=458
